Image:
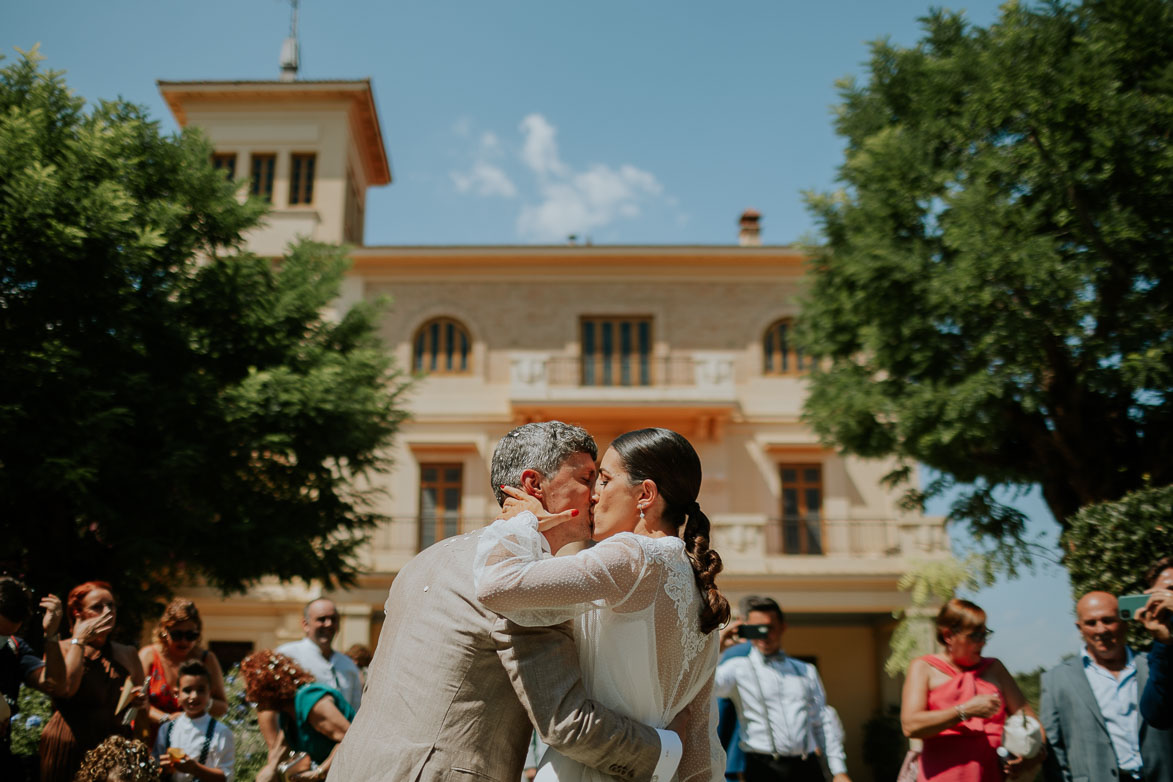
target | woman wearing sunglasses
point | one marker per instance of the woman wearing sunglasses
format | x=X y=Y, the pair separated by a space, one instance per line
x=176 y=640
x=958 y=703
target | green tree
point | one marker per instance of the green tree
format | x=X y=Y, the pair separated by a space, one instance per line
x=994 y=296
x=171 y=407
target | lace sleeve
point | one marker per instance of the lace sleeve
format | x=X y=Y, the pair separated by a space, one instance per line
x=704 y=758
x=517 y=579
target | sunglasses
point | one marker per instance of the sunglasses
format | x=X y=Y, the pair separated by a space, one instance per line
x=183 y=635
x=977 y=636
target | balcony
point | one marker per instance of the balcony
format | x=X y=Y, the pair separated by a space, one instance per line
x=917 y=536
x=748 y=545
x=674 y=378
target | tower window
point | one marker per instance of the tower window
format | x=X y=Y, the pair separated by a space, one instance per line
x=263 y=168
x=301 y=178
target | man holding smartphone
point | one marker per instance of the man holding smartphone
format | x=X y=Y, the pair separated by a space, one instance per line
x=781 y=705
x=1156 y=700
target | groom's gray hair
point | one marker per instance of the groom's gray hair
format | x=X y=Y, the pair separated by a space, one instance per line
x=543 y=447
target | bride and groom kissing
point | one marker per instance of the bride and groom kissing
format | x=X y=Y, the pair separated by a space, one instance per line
x=608 y=653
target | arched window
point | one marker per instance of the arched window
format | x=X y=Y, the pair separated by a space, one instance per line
x=442 y=347
x=779 y=355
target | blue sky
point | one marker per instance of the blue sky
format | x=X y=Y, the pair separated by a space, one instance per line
x=635 y=122
x=642 y=121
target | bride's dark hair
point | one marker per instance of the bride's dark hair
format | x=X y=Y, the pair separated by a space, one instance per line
x=667 y=459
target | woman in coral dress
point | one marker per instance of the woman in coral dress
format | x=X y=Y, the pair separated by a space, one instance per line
x=958 y=703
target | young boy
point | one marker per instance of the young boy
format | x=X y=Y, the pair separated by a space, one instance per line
x=194 y=746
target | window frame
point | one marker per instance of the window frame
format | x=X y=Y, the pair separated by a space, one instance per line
x=782 y=359
x=439 y=525
x=254 y=187
x=226 y=162
x=621 y=360
x=801 y=521
x=426 y=349
x=301 y=193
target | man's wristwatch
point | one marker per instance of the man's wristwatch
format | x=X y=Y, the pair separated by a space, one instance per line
x=76 y=642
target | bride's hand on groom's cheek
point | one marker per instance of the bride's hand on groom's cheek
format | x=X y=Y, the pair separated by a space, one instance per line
x=517 y=501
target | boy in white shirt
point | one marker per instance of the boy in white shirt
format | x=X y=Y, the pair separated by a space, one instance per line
x=194 y=746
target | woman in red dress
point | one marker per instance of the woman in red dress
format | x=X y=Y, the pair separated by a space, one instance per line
x=958 y=703
x=176 y=640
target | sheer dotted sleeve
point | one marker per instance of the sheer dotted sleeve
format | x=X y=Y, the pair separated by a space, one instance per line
x=516 y=578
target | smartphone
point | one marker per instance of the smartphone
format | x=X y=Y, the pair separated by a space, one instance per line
x=753 y=632
x=1131 y=604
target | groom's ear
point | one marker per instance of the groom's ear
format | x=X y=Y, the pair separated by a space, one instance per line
x=531 y=483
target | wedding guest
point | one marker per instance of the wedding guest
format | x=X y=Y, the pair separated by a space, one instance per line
x=176 y=640
x=958 y=702
x=19 y=664
x=1090 y=706
x=194 y=745
x=118 y=759
x=312 y=716
x=1156 y=701
x=361 y=655
x=95 y=669
x=780 y=704
x=315 y=654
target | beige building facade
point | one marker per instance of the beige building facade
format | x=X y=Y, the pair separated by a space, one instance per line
x=697 y=339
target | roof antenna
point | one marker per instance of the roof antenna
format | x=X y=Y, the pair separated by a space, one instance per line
x=289 y=58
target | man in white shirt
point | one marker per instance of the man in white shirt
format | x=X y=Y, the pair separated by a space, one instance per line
x=781 y=704
x=315 y=654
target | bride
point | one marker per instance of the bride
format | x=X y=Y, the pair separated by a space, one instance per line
x=643 y=600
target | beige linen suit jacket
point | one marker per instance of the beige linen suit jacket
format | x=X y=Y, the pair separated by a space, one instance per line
x=453 y=687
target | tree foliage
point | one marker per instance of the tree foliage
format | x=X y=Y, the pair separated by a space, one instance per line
x=1110 y=546
x=994 y=297
x=171 y=407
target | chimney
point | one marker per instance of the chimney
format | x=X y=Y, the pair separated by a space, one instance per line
x=750 y=234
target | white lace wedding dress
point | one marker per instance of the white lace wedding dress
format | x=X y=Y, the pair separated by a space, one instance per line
x=636 y=611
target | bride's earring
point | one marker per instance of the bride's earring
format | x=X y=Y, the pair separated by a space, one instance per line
x=641 y=512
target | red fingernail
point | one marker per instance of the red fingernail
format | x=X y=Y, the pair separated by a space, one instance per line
x=574 y=512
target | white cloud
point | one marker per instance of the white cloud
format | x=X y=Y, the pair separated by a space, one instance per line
x=576 y=203
x=539 y=151
x=568 y=201
x=484 y=179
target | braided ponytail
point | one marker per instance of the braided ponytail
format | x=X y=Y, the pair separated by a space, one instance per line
x=706 y=564
x=669 y=460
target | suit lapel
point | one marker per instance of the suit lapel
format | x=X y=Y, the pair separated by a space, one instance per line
x=1083 y=691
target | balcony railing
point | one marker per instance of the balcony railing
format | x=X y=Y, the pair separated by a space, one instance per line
x=908 y=537
x=400 y=538
x=561 y=375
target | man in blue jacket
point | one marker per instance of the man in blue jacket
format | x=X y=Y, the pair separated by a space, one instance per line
x=1156 y=701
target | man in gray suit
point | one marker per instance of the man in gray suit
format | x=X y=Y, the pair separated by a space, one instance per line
x=1089 y=707
x=453 y=688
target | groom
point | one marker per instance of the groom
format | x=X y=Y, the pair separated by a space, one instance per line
x=453 y=688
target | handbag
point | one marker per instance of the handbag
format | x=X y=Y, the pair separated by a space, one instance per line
x=1022 y=735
